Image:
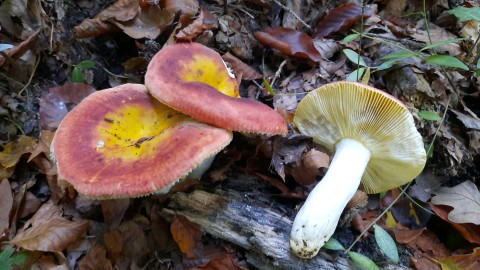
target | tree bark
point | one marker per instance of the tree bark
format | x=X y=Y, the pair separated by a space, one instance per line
x=242 y=211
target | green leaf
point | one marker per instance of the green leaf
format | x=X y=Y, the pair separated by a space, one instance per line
x=7 y=260
x=478 y=63
x=466 y=14
x=440 y=43
x=85 y=64
x=445 y=60
x=362 y=261
x=268 y=87
x=386 y=65
x=429 y=115
x=77 y=75
x=333 y=244
x=354 y=57
x=350 y=37
x=355 y=75
x=366 y=76
x=400 y=55
x=477 y=73
x=386 y=244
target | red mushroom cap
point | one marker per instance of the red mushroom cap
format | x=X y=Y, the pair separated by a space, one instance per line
x=121 y=142
x=193 y=79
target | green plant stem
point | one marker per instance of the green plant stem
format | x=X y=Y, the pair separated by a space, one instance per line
x=360 y=39
x=378 y=218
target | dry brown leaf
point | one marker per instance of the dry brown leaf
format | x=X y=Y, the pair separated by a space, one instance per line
x=436 y=34
x=186 y=7
x=240 y=68
x=290 y=42
x=403 y=235
x=53 y=235
x=340 y=19
x=19 y=49
x=465 y=200
x=308 y=167
x=470 y=122
x=30 y=205
x=12 y=151
x=113 y=244
x=187 y=235
x=148 y=23
x=120 y=11
x=469 y=231
x=47 y=211
x=204 y=21
x=6 y=203
x=465 y=261
x=53 y=106
x=113 y=211
x=96 y=259
x=223 y=262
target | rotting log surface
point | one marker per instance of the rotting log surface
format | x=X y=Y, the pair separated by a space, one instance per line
x=244 y=218
x=241 y=212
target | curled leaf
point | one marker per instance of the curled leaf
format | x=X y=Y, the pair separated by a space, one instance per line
x=340 y=19
x=289 y=41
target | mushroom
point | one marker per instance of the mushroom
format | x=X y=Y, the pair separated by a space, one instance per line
x=121 y=142
x=194 y=80
x=377 y=147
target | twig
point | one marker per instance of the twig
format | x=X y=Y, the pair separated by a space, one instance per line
x=31 y=76
x=293 y=13
x=279 y=70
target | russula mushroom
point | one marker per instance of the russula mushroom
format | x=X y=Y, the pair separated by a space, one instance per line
x=194 y=80
x=377 y=147
x=121 y=142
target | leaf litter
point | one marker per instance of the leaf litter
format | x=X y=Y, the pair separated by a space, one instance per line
x=36 y=93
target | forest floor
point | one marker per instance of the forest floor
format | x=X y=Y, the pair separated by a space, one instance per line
x=425 y=53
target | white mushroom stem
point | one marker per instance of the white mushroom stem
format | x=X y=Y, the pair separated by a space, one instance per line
x=317 y=219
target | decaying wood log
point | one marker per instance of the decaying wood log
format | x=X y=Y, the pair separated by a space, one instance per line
x=242 y=211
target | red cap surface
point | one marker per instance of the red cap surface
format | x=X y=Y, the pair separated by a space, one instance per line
x=121 y=142
x=193 y=79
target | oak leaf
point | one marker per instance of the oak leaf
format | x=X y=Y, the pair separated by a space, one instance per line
x=465 y=200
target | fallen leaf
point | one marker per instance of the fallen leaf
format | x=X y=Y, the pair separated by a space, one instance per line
x=204 y=21
x=404 y=235
x=223 y=262
x=6 y=203
x=19 y=49
x=186 y=7
x=289 y=41
x=113 y=243
x=410 y=214
x=148 y=23
x=59 y=100
x=241 y=69
x=288 y=150
x=469 y=121
x=436 y=34
x=187 y=235
x=469 y=231
x=308 y=167
x=122 y=11
x=464 y=261
x=340 y=19
x=465 y=200
x=114 y=210
x=13 y=151
x=54 y=235
x=96 y=259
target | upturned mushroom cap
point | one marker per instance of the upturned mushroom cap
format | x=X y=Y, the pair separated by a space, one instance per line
x=193 y=79
x=121 y=142
x=372 y=117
